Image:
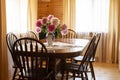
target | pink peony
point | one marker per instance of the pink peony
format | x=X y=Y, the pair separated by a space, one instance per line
x=38 y=29
x=63 y=27
x=51 y=28
x=38 y=23
x=64 y=32
x=44 y=20
x=50 y=17
x=50 y=24
x=55 y=21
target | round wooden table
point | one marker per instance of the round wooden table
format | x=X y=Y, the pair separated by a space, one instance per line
x=64 y=48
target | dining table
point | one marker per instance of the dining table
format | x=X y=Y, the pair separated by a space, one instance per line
x=62 y=49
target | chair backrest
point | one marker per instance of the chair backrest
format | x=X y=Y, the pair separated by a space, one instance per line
x=98 y=35
x=88 y=54
x=91 y=50
x=71 y=34
x=31 y=58
x=10 y=39
x=31 y=34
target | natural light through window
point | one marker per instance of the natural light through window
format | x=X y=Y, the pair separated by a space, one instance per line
x=16 y=11
x=92 y=15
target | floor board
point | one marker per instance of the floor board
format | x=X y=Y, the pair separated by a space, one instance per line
x=105 y=71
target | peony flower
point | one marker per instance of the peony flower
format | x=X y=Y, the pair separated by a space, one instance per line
x=50 y=24
x=50 y=17
x=38 y=29
x=55 y=21
x=44 y=20
x=51 y=28
x=38 y=23
x=64 y=32
x=63 y=27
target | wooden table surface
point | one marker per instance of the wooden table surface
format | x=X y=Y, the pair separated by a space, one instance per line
x=66 y=48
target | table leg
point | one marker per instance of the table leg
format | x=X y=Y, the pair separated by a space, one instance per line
x=54 y=65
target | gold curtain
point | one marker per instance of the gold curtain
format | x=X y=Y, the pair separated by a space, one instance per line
x=113 y=37
x=108 y=48
x=119 y=32
x=3 y=47
x=69 y=13
x=32 y=14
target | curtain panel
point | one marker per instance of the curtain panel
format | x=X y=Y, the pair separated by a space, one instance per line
x=108 y=48
x=113 y=37
x=21 y=20
x=69 y=13
x=3 y=47
x=32 y=14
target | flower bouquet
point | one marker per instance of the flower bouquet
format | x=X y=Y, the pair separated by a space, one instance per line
x=50 y=24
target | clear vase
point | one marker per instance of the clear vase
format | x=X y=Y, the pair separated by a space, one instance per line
x=50 y=39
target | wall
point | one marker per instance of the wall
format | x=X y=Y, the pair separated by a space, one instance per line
x=54 y=7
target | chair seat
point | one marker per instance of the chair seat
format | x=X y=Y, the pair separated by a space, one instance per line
x=76 y=71
x=74 y=67
x=79 y=59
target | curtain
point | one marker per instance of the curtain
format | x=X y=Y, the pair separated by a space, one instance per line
x=20 y=19
x=3 y=48
x=16 y=15
x=108 y=47
x=69 y=13
x=32 y=14
x=93 y=16
x=119 y=32
x=113 y=37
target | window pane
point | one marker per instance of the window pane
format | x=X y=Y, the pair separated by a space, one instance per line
x=92 y=15
x=16 y=11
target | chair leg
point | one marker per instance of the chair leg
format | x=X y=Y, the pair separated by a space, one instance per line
x=86 y=76
x=67 y=75
x=73 y=76
x=92 y=71
x=14 y=75
x=82 y=76
x=62 y=75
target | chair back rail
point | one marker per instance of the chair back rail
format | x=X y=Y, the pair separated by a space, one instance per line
x=31 y=58
x=71 y=34
x=98 y=35
x=32 y=34
x=10 y=39
x=88 y=54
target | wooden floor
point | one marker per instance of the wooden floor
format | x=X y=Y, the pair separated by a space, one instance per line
x=104 y=71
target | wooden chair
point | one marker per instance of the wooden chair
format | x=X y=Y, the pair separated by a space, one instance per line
x=10 y=39
x=79 y=58
x=71 y=34
x=32 y=59
x=32 y=34
x=79 y=69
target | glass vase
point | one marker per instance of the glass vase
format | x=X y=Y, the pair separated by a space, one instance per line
x=42 y=35
x=50 y=39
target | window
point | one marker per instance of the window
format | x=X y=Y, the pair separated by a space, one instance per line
x=92 y=15
x=16 y=11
